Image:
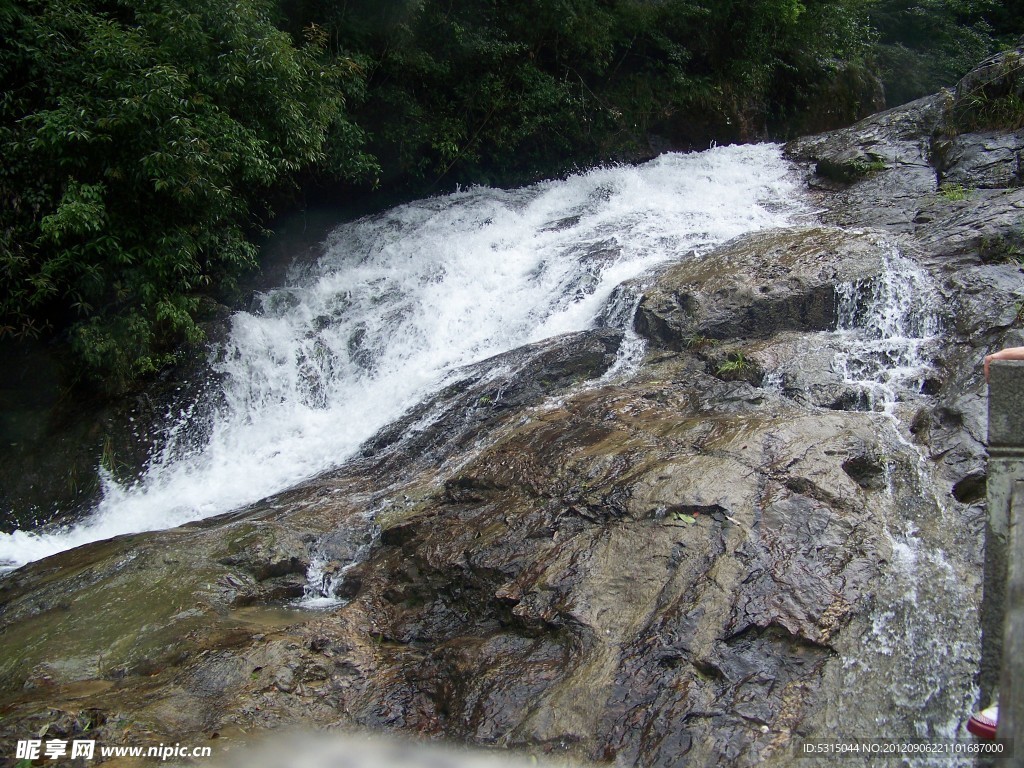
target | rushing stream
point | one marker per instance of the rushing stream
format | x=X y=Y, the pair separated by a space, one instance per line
x=921 y=638
x=888 y=326
x=400 y=301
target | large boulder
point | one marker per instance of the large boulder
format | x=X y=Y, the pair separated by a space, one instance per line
x=758 y=286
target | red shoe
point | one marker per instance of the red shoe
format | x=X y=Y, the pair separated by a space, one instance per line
x=983 y=724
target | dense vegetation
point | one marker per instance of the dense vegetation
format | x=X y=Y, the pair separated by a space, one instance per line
x=925 y=45
x=145 y=142
x=141 y=141
x=479 y=88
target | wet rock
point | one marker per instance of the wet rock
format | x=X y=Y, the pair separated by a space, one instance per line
x=261 y=551
x=551 y=593
x=988 y=160
x=756 y=287
x=971 y=488
x=850 y=165
x=883 y=134
x=486 y=392
x=866 y=471
x=893 y=151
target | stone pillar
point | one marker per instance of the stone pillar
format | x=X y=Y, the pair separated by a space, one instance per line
x=1002 y=613
x=1011 y=681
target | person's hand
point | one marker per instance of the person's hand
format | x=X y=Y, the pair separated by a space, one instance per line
x=1010 y=353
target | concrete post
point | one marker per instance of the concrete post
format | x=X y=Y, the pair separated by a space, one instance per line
x=1011 y=684
x=1002 y=617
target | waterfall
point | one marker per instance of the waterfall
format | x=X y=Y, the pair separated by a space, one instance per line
x=888 y=324
x=400 y=301
x=922 y=636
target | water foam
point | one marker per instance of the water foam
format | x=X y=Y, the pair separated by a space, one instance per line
x=401 y=300
x=890 y=326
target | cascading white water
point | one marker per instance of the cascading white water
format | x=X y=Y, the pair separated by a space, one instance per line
x=888 y=323
x=403 y=299
x=920 y=637
x=322 y=583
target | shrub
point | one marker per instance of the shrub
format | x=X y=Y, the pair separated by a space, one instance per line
x=929 y=44
x=953 y=192
x=143 y=142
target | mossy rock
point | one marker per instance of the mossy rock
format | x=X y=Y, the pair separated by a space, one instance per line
x=850 y=167
x=734 y=365
x=990 y=97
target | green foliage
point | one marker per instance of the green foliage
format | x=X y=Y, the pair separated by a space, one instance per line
x=501 y=90
x=871 y=166
x=929 y=44
x=1004 y=113
x=1007 y=20
x=736 y=366
x=849 y=171
x=953 y=192
x=699 y=342
x=1006 y=247
x=475 y=90
x=736 y=363
x=995 y=101
x=143 y=142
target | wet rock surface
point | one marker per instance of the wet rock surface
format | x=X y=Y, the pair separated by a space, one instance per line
x=695 y=564
x=757 y=287
x=55 y=447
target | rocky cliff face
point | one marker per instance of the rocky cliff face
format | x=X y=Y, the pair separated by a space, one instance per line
x=769 y=532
